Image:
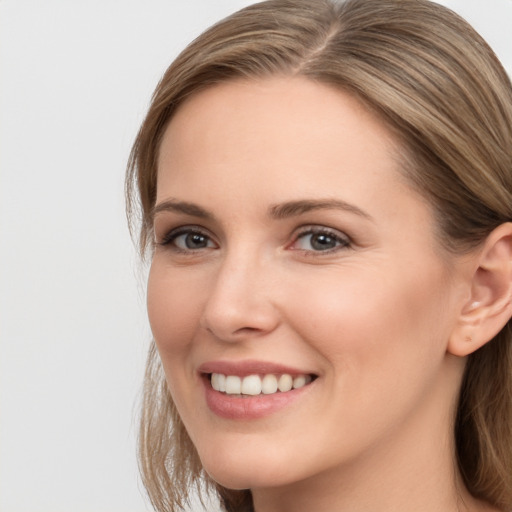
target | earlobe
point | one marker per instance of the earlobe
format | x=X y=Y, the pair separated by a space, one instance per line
x=489 y=307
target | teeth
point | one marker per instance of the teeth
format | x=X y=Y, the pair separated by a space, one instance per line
x=233 y=385
x=285 y=383
x=222 y=383
x=253 y=385
x=219 y=382
x=269 y=384
x=299 y=382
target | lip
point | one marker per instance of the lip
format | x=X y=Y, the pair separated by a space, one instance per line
x=249 y=367
x=250 y=407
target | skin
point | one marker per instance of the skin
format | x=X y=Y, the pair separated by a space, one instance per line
x=371 y=317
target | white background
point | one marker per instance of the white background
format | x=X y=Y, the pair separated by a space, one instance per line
x=75 y=81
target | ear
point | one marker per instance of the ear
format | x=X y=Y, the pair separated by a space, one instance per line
x=489 y=306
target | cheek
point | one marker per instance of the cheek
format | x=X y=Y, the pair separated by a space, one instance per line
x=359 y=318
x=380 y=353
x=174 y=307
x=174 y=311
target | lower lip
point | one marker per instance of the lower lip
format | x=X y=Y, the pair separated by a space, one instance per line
x=252 y=407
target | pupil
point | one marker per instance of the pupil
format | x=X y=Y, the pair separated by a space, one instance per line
x=322 y=242
x=195 y=241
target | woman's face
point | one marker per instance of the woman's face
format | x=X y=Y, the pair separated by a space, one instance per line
x=289 y=249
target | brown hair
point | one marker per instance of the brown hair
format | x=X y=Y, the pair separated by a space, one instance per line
x=443 y=93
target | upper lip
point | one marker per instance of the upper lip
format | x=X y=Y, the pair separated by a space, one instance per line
x=249 y=367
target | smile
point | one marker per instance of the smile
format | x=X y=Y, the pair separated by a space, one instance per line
x=252 y=389
x=253 y=385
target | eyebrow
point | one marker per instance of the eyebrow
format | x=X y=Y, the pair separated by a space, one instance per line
x=295 y=208
x=277 y=211
x=173 y=205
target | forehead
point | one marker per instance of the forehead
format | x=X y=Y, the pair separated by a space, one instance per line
x=279 y=124
x=297 y=101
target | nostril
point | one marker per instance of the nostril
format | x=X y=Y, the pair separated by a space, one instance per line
x=225 y=329
x=247 y=330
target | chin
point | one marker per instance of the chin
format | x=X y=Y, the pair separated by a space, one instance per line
x=248 y=479
x=239 y=470
x=230 y=480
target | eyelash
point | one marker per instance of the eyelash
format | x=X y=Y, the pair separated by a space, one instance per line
x=342 y=241
x=170 y=238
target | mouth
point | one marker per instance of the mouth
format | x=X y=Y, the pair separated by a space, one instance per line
x=252 y=390
x=258 y=384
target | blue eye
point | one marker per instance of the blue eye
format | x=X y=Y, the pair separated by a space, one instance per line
x=320 y=240
x=188 y=239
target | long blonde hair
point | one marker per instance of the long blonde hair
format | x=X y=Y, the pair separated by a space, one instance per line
x=443 y=93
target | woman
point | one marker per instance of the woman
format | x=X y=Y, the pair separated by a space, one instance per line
x=326 y=194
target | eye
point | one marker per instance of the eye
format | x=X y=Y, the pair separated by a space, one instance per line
x=320 y=240
x=188 y=239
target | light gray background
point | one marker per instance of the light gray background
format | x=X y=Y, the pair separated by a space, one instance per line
x=75 y=80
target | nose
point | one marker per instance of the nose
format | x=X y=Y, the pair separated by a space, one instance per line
x=241 y=302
